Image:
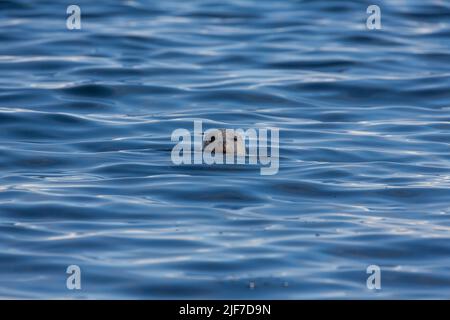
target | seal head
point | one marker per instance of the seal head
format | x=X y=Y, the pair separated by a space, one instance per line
x=226 y=141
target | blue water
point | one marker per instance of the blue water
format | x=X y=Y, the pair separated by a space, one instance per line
x=86 y=176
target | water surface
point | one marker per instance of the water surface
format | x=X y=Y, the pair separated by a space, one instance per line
x=86 y=176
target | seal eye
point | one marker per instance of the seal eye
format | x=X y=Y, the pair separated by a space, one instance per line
x=235 y=138
x=213 y=138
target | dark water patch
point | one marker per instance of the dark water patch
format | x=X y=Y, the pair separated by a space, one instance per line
x=90 y=90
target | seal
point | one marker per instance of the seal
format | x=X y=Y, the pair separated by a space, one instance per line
x=227 y=141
